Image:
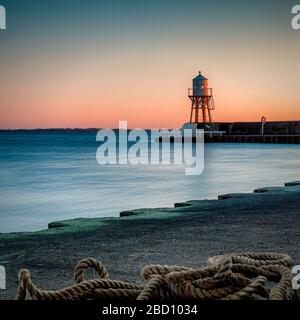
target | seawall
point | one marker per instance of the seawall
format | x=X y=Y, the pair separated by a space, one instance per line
x=255 y=132
x=254 y=128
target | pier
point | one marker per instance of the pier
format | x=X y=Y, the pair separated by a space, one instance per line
x=224 y=138
x=284 y=132
x=201 y=95
x=251 y=132
x=284 y=139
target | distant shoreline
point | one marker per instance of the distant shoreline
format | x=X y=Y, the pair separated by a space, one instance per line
x=275 y=122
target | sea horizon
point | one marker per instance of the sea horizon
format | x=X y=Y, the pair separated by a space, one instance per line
x=132 y=128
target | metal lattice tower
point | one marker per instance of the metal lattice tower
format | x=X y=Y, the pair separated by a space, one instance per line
x=202 y=101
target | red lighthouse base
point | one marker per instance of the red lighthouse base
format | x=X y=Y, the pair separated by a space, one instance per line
x=201 y=111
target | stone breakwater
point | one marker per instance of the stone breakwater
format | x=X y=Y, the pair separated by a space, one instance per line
x=251 y=132
x=277 y=128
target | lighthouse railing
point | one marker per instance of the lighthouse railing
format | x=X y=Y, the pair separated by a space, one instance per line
x=206 y=92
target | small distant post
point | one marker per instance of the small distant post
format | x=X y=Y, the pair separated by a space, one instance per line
x=263 y=122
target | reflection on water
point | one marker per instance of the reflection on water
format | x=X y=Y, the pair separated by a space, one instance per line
x=48 y=176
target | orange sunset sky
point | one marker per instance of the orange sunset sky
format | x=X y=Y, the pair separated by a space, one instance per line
x=92 y=66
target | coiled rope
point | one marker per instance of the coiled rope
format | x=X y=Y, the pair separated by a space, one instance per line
x=226 y=277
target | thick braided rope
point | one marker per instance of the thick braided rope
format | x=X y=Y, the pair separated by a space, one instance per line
x=152 y=287
x=89 y=263
x=189 y=291
x=227 y=277
x=114 y=294
x=151 y=269
x=75 y=292
x=254 y=287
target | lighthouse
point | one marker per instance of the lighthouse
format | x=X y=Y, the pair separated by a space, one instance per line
x=202 y=100
x=201 y=123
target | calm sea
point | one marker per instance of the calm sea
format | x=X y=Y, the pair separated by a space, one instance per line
x=48 y=176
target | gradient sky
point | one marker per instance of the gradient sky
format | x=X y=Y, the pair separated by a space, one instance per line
x=72 y=63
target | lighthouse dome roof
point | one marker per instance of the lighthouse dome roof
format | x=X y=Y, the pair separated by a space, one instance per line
x=200 y=77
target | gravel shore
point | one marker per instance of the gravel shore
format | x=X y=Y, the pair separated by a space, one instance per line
x=266 y=220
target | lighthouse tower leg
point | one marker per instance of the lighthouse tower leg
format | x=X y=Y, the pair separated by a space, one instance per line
x=204 y=114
